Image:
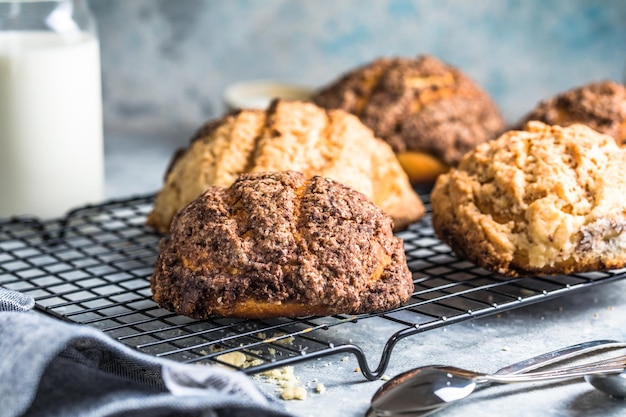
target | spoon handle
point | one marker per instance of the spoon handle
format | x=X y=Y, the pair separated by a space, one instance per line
x=558 y=355
x=607 y=366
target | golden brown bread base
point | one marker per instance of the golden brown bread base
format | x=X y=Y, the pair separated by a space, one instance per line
x=546 y=200
x=290 y=135
x=420 y=167
x=278 y=244
x=419 y=105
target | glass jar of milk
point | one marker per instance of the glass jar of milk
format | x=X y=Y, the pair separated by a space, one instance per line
x=51 y=146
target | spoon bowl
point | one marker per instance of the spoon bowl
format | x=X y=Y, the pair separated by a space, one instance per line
x=614 y=384
x=435 y=386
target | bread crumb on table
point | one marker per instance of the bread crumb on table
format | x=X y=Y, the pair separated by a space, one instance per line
x=320 y=388
x=288 y=383
x=293 y=393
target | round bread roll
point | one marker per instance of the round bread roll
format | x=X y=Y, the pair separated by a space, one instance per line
x=429 y=112
x=289 y=135
x=546 y=200
x=279 y=244
x=600 y=105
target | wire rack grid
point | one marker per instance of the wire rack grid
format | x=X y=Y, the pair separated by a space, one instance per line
x=93 y=267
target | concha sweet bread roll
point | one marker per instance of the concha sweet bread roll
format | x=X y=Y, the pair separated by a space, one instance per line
x=545 y=200
x=289 y=135
x=430 y=112
x=279 y=244
x=599 y=105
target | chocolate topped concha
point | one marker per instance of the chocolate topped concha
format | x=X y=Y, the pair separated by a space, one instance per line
x=289 y=135
x=279 y=244
x=430 y=112
x=599 y=105
x=543 y=200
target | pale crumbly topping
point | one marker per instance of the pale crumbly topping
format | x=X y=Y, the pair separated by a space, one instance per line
x=546 y=200
x=289 y=135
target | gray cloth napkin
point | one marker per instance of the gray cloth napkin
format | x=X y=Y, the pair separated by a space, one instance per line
x=52 y=368
x=15 y=301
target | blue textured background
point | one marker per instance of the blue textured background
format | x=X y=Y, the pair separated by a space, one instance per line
x=167 y=62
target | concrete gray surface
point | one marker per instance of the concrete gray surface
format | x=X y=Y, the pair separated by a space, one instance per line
x=487 y=344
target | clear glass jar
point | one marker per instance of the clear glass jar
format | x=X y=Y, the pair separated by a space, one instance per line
x=51 y=139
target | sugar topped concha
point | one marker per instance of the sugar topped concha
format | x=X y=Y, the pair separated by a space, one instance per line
x=289 y=135
x=543 y=200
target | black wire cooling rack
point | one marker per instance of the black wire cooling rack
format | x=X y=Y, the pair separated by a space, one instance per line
x=93 y=267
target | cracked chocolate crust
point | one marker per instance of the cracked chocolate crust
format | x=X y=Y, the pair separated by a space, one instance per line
x=277 y=244
x=599 y=105
x=545 y=200
x=417 y=105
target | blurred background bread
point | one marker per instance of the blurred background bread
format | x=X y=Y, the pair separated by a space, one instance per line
x=600 y=105
x=430 y=112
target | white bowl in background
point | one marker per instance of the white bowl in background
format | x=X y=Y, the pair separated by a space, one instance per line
x=258 y=94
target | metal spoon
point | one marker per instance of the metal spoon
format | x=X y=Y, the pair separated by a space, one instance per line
x=526 y=365
x=614 y=385
x=432 y=387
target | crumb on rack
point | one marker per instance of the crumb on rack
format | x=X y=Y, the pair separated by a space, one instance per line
x=238 y=359
x=278 y=338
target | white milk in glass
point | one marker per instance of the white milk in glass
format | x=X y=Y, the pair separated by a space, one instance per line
x=51 y=150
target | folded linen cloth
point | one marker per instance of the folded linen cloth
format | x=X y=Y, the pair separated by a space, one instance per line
x=52 y=368
x=15 y=301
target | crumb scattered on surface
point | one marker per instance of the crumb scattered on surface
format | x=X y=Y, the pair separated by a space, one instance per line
x=293 y=393
x=288 y=384
x=320 y=388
